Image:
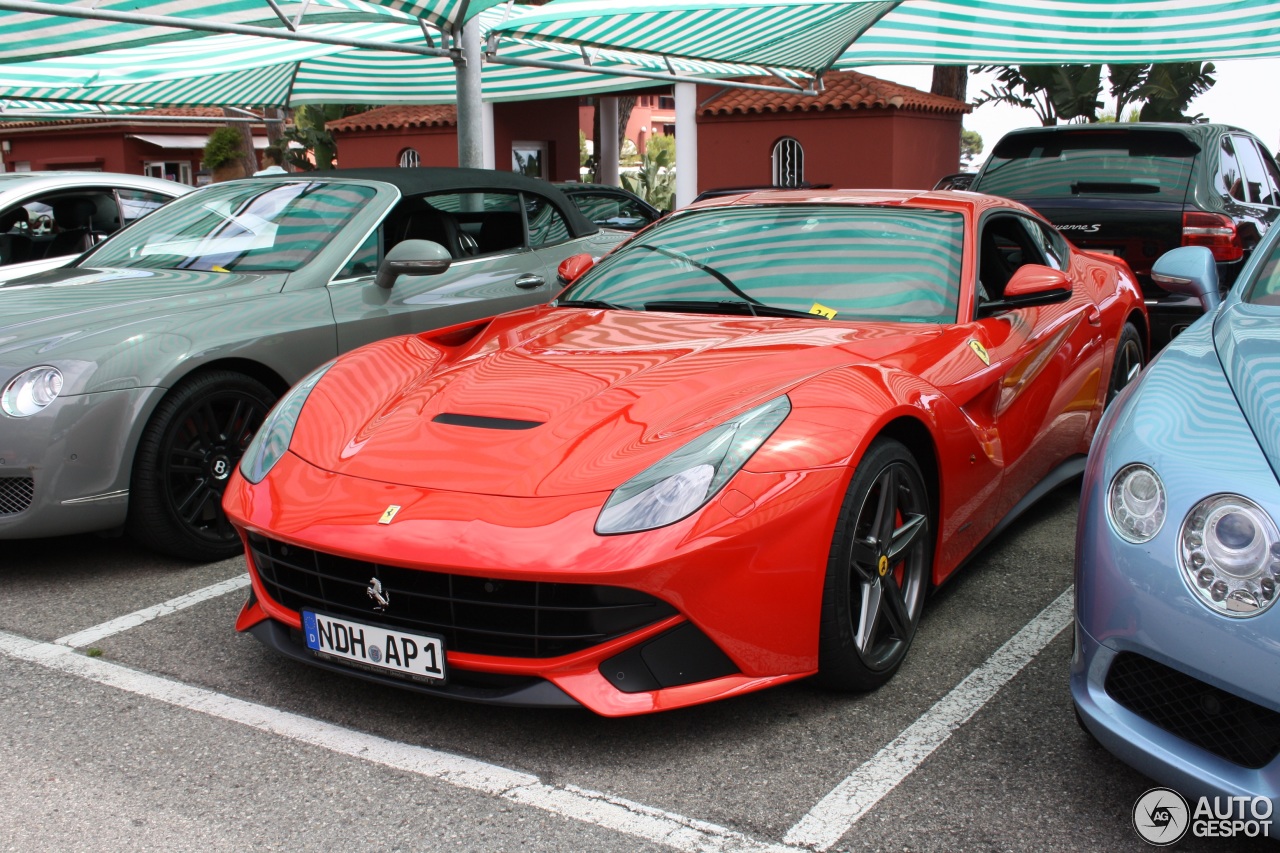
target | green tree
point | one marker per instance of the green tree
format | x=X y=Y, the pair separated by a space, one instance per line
x=319 y=148
x=1169 y=89
x=970 y=146
x=1053 y=92
x=660 y=143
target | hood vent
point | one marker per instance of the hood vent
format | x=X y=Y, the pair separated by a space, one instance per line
x=481 y=422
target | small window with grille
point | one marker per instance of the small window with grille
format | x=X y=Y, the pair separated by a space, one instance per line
x=409 y=159
x=788 y=163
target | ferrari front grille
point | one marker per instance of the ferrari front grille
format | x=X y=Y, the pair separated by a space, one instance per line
x=1227 y=725
x=487 y=616
x=16 y=494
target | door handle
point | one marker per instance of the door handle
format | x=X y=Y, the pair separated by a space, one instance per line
x=1093 y=315
x=530 y=281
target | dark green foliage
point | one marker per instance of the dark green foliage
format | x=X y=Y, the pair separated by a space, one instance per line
x=223 y=147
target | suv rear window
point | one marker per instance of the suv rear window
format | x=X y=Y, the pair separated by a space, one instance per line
x=1153 y=165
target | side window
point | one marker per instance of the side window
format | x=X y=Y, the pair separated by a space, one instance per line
x=1004 y=245
x=465 y=223
x=1048 y=242
x=1230 y=179
x=364 y=262
x=1255 y=175
x=546 y=224
x=135 y=204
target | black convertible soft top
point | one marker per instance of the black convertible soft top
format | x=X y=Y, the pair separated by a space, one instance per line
x=435 y=179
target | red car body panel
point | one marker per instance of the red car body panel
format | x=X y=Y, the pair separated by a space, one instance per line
x=614 y=392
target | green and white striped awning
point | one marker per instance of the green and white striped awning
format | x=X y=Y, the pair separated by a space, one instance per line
x=248 y=71
x=27 y=35
x=814 y=35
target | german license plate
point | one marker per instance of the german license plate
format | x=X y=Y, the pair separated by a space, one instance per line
x=419 y=657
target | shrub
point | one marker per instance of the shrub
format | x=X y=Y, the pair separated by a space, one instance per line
x=223 y=147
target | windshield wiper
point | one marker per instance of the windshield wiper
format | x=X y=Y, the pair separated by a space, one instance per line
x=711 y=271
x=591 y=303
x=726 y=306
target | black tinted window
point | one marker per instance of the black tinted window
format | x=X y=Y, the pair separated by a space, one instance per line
x=1106 y=164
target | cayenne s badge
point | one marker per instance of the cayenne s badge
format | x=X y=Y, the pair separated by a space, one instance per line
x=388 y=514
x=381 y=598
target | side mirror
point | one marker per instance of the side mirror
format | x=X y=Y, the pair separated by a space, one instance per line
x=572 y=267
x=412 y=257
x=1191 y=271
x=1031 y=284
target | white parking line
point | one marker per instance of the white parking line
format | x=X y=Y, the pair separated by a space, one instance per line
x=88 y=636
x=836 y=814
x=614 y=813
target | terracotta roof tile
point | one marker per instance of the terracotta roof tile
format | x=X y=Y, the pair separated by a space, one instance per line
x=120 y=118
x=843 y=90
x=398 y=116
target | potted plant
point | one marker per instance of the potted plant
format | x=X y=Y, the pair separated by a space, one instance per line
x=223 y=155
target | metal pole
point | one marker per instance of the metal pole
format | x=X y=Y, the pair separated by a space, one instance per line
x=470 y=98
x=686 y=143
x=607 y=145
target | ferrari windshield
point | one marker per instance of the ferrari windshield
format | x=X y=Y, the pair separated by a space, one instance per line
x=839 y=262
x=244 y=227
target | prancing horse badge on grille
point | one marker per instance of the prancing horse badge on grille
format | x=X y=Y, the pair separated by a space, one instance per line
x=388 y=514
x=381 y=598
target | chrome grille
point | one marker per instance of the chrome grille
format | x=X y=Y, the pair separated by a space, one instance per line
x=16 y=494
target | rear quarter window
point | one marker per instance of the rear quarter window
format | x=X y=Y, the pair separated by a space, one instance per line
x=1150 y=165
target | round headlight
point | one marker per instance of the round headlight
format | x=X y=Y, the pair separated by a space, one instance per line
x=1135 y=503
x=30 y=391
x=1228 y=550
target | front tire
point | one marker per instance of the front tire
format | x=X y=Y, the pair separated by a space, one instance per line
x=186 y=455
x=877 y=571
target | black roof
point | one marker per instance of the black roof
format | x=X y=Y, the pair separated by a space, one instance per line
x=422 y=180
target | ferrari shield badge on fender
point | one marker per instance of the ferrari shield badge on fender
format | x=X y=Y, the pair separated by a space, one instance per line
x=388 y=514
x=981 y=351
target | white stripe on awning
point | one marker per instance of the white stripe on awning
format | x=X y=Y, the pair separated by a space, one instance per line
x=185 y=140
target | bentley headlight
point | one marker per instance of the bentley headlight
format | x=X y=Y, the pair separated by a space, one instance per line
x=684 y=481
x=1136 y=503
x=272 y=440
x=30 y=391
x=1229 y=550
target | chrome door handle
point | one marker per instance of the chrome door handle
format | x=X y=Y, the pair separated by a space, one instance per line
x=528 y=282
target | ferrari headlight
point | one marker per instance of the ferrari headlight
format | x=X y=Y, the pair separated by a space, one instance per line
x=684 y=481
x=1229 y=550
x=1136 y=503
x=271 y=442
x=30 y=391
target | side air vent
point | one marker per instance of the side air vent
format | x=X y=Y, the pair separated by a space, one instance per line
x=480 y=422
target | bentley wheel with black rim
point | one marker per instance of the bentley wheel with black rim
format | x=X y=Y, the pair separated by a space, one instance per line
x=186 y=455
x=877 y=572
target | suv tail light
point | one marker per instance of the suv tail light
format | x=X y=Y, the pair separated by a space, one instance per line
x=1215 y=232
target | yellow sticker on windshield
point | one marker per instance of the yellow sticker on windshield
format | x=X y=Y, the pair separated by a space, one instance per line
x=217 y=268
x=819 y=308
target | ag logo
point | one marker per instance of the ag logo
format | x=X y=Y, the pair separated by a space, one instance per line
x=1161 y=817
x=980 y=351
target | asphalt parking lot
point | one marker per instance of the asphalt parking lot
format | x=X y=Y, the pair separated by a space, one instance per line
x=133 y=717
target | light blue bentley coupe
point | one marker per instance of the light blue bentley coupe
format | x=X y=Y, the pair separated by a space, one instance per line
x=1176 y=667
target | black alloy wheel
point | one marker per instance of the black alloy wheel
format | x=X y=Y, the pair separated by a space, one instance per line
x=187 y=453
x=1128 y=363
x=877 y=572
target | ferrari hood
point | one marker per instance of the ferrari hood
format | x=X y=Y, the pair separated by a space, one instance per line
x=1246 y=341
x=564 y=401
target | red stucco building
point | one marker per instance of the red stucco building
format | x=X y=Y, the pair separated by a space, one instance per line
x=860 y=132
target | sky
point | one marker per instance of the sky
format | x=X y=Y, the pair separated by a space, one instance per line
x=1243 y=96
